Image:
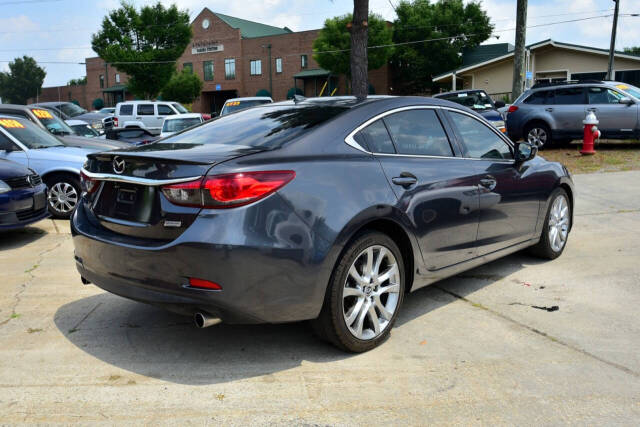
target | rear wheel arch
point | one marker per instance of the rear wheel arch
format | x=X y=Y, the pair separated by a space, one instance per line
x=533 y=122
x=51 y=178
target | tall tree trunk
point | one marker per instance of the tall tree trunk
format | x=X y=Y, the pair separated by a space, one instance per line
x=519 y=54
x=359 y=60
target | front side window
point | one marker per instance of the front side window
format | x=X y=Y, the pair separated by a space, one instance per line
x=145 y=110
x=208 y=70
x=165 y=110
x=479 y=140
x=6 y=144
x=569 y=96
x=602 y=95
x=304 y=61
x=418 y=132
x=256 y=67
x=230 y=68
x=375 y=138
x=278 y=65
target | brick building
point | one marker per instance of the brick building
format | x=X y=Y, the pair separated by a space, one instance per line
x=233 y=57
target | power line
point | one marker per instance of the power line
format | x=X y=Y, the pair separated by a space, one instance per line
x=27 y=2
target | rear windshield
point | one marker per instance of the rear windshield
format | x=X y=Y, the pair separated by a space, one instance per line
x=267 y=127
x=71 y=109
x=28 y=133
x=473 y=100
x=233 y=106
x=176 y=125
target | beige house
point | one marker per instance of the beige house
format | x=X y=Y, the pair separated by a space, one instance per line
x=547 y=60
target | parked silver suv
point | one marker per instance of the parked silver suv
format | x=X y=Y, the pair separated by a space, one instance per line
x=554 y=112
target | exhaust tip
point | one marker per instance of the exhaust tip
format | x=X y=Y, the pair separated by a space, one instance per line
x=204 y=320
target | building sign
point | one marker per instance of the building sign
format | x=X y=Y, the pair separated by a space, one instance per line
x=214 y=47
x=529 y=75
x=218 y=87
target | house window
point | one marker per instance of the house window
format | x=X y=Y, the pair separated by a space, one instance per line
x=256 y=67
x=188 y=66
x=101 y=81
x=230 y=68
x=278 y=65
x=117 y=78
x=304 y=61
x=208 y=70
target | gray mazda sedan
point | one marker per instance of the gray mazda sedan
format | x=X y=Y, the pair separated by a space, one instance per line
x=328 y=209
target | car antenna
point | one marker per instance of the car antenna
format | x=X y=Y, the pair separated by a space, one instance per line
x=298 y=98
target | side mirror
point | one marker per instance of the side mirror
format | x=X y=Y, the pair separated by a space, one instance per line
x=625 y=100
x=499 y=104
x=525 y=152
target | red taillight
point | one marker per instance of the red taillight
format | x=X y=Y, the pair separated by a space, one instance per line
x=115 y=122
x=88 y=184
x=512 y=108
x=204 y=284
x=229 y=190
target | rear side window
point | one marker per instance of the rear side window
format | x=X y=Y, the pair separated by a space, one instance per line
x=418 y=132
x=264 y=127
x=480 y=142
x=126 y=110
x=569 y=96
x=145 y=110
x=536 y=98
x=376 y=138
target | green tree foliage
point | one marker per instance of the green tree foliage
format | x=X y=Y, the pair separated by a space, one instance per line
x=23 y=81
x=98 y=104
x=459 y=25
x=335 y=36
x=153 y=34
x=77 y=82
x=183 y=87
x=633 y=50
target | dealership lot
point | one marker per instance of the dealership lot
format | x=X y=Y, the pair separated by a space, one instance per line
x=486 y=346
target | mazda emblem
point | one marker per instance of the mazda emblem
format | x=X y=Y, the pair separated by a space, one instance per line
x=118 y=165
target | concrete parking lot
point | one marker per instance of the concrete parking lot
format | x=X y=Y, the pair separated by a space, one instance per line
x=485 y=347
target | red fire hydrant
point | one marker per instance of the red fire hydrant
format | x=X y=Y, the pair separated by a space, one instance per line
x=591 y=133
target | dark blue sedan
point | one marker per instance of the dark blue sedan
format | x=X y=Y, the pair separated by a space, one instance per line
x=329 y=210
x=23 y=196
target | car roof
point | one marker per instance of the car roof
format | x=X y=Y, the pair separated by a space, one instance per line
x=184 y=116
x=51 y=103
x=250 y=98
x=15 y=107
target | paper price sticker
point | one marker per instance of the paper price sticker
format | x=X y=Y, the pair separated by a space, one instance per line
x=42 y=114
x=11 y=124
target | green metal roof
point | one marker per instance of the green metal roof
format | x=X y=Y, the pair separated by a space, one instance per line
x=116 y=88
x=251 y=29
x=316 y=72
x=485 y=52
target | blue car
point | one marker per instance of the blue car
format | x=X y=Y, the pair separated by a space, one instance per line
x=23 y=142
x=23 y=196
x=480 y=102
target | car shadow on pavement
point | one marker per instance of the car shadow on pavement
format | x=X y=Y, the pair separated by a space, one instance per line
x=152 y=342
x=12 y=239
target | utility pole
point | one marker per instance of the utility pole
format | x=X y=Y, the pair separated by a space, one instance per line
x=612 y=47
x=519 y=54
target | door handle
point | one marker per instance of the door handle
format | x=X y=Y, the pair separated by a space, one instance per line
x=138 y=118
x=405 y=179
x=549 y=109
x=489 y=182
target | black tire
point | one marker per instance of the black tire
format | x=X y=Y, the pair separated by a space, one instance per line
x=540 y=127
x=61 y=182
x=331 y=324
x=544 y=248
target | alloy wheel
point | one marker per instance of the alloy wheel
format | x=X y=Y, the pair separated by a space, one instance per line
x=63 y=197
x=558 y=223
x=371 y=292
x=537 y=136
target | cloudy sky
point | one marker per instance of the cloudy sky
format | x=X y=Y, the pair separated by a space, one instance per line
x=60 y=30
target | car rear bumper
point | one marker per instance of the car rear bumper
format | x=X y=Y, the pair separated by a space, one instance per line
x=19 y=208
x=263 y=280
